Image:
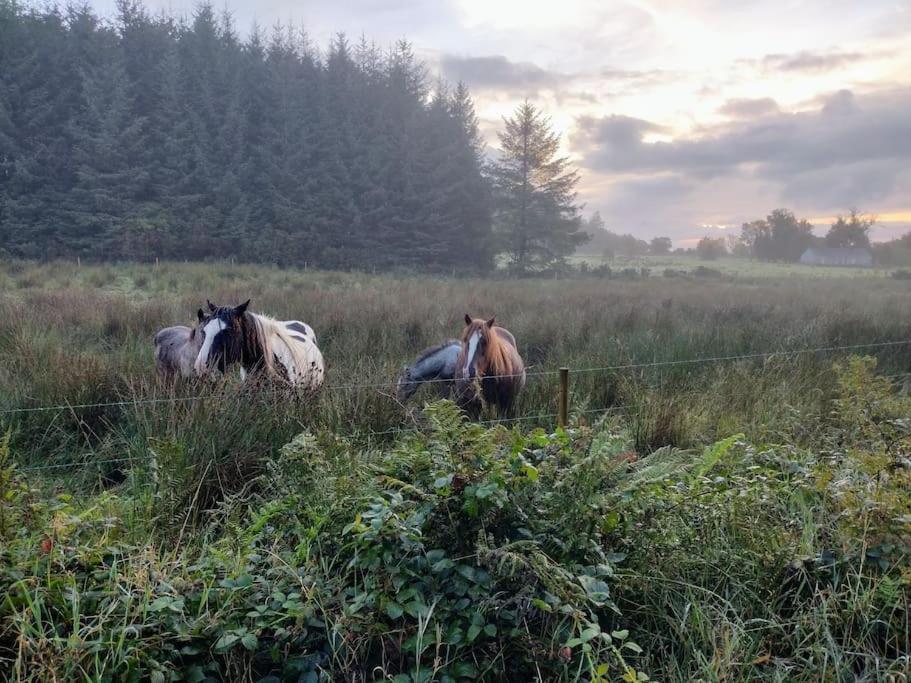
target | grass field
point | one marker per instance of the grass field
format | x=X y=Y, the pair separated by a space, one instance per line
x=730 y=265
x=735 y=519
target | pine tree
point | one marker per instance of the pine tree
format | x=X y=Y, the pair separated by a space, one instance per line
x=145 y=137
x=536 y=213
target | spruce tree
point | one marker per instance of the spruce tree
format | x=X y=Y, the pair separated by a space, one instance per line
x=536 y=214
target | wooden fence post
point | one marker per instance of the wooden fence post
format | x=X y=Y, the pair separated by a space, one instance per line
x=563 y=406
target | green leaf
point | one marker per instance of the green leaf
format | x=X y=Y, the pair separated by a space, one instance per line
x=630 y=645
x=465 y=669
x=490 y=630
x=194 y=674
x=443 y=564
x=394 y=610
x=714 y=453
x=620 y=635
x=598 y=591
x=530 y=471
x=226 y=642
x=589 y=633
x=541 y=605
x=473 y=632
x=467 y=571
x=244 y=581
x=250 y=641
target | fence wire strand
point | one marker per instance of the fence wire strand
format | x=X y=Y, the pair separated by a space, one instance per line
x=540 y=373
x=368 y=434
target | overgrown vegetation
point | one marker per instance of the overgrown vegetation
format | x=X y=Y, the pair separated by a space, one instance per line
x=731 y=520
x=464 y=552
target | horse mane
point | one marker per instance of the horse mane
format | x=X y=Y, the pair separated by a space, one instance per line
x=266 y=329
x=497 y=358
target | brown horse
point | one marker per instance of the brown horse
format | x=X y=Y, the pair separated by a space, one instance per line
x=489 y=369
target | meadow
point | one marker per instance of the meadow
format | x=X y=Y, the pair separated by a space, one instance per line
x=729 y=502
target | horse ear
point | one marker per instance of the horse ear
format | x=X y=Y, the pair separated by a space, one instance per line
x=240 y=310
x=200 y=315
x=492 y=321
x=467 y=319
x=212 y=307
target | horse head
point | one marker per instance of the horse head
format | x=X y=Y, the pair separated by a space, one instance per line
x=221 y=333
x=405 y=386
x=481 y=353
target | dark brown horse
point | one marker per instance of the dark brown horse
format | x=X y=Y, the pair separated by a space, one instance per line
x=489 y=370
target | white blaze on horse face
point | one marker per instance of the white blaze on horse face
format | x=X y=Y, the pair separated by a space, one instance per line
x=212 y=328
x=472 y=349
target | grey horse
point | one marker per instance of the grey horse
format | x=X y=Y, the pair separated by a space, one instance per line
x=436 y=364
x=176 y=349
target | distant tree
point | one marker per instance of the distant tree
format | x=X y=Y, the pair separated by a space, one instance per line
x=609 y=244
x=778 y=237
x=851 y=231
x=895 y=252
x=660 y=246
x=711 y=248
x=736 y=246
x=536 y=213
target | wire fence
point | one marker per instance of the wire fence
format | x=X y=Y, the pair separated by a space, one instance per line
x=545 y=418
x=765 y=355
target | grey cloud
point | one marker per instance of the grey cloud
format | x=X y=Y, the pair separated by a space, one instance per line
x=496 y=71
x=873 y=128
x=810 y=61
x=614 y=133
x=749 y=108
x=852 y=151
x=866 y=183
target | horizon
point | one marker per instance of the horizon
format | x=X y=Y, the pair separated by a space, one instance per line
x=672 y=108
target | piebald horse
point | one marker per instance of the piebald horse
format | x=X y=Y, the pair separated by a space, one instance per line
x=282 y=349
x=489 y=369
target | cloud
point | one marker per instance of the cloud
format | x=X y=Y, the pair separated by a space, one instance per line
x=811 y=61
x=637 y=78
x=749 y=108
x=853 y=150
x=854 y=129
x=497 y=72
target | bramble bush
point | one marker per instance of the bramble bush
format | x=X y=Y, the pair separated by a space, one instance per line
x=462 y=552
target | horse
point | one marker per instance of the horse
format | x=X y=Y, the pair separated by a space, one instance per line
x=176 y=349
x=489 y=369
x=436 y=364
x=281 y=349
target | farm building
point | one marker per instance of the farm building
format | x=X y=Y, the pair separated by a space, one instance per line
x=837 y=256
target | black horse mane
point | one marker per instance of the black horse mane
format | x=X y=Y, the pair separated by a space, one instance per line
x=246 y=347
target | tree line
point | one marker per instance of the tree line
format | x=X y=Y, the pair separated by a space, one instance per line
x=145 y=137
x=781 y=236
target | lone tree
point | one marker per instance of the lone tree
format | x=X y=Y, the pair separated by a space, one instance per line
x=536 y=214
x=711 y=248
x=850 y=231
x=660 y=245
x=780 y=236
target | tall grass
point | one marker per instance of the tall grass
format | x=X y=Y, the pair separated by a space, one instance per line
x=74 y=335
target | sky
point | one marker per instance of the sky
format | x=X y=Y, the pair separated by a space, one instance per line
x=684 y=117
